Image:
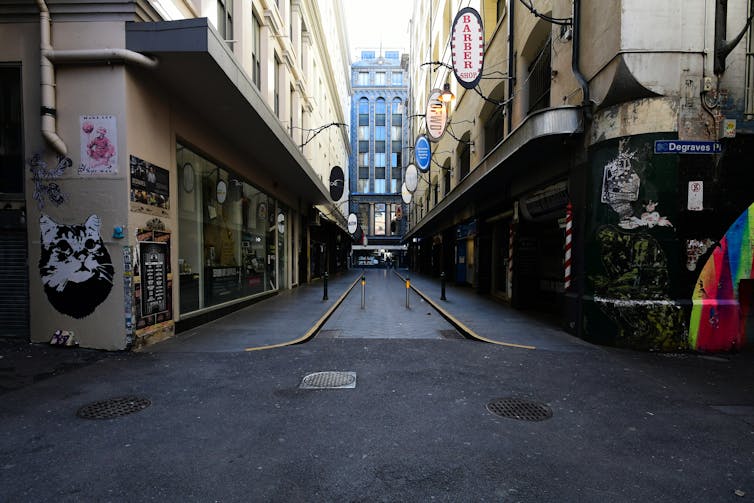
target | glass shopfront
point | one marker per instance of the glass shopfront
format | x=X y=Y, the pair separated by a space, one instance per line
x=230 y=242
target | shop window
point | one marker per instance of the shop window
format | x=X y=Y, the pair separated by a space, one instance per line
x=228 y=238
x=379 y=219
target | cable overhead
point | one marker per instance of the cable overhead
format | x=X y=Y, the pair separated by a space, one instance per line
x=565 y=21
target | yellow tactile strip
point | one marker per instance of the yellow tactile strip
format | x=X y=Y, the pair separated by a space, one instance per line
x=458 y=324
x=315 y=328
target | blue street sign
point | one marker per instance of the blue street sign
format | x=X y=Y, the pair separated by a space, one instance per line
x=422 y=153
x=687 y=147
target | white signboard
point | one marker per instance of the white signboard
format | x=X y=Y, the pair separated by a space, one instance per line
x=696 y=196
x=436 y=117
x=412 y=178
x=467 y=47
x=352 y=223
x=405 y=194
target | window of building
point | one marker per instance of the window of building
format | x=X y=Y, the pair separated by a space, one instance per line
x=394 y=224
x=396 y=178
x=363 y=112
x=446 y=179
x=256 y=48
x=225 y=19
x=291 y=95
x=367 y=54
x=379 y=133
x=435 y=191
x=540 y=80
x=362 y=183
x=11 y=132
x=494 y=129
x=363 y=132
x=229 y=247
x=392 y=55
x=379 y=219
x=363 y=79
x=278 y=69
x=396 y=112
x=396 y=78
x=464 y=160
x=379 y=79
x=379 y=112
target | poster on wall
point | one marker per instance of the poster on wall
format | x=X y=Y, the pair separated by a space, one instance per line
x=99 y=145
x=150 y=187
x=153 y=281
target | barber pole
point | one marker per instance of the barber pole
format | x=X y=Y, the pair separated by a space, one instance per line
x=511 y=236
x=568 y=232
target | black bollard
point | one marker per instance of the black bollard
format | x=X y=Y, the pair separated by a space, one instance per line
x=324 y=296
x=408 y=287
x=363 y=291
x=442 y=286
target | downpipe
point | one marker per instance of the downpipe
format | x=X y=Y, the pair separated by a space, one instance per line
x=47 y=73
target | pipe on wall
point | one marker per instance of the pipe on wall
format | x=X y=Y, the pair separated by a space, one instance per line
x=47 y=73
x=575 y=59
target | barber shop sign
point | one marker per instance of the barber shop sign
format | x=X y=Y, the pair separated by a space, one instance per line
x=467 y=47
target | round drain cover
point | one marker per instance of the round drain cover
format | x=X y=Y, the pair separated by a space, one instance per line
x=518 y=408
x=320 y=380
x=113 y=407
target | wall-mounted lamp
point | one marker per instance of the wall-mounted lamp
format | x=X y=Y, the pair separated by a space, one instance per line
x=447 y=96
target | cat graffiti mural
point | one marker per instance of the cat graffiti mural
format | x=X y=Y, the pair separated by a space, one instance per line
x=75 y=266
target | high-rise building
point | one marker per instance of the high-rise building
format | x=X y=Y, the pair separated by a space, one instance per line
x=379 y=154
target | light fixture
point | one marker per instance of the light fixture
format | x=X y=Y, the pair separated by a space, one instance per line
x=447 y=96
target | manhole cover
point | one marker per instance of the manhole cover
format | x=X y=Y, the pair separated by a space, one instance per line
x=518 y=408
x=113 y=407
x=329 y=380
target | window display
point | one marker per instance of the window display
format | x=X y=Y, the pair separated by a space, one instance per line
x=228 y=245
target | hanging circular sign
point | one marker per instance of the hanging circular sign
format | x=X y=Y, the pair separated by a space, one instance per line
x=422 y=153
x=281 y=223
x=436 y=116
x=412 y=178
x=405 y=194
x=337 y=182
x=353 y=223
x=467 y=47
x=222 y=191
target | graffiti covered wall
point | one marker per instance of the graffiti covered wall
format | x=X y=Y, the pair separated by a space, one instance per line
x=717 y=320
x=632 y=248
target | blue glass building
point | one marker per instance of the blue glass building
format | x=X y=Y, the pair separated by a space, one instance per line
x=379 y=154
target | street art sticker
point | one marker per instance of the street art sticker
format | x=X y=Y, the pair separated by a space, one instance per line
x=634 y=291
x=717 y=322
x=45 y=185
x=150 y=187
x=75 y=266
x=695 y=248
x=620 y=189
x=99 y=148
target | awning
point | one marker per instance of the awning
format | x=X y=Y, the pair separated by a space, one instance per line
x=540 y=134
x=197 y=68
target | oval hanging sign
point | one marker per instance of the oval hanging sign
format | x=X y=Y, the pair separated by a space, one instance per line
x=337 y=181
x=412 y=178
x=422 y=153
x=405 y=194
x=436 y=116
x=467 y=47
x=352 y=223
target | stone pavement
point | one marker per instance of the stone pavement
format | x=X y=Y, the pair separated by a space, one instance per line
x=233 y=425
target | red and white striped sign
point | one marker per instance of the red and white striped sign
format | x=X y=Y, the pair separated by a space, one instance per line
x=467 y=47
x=568 y=236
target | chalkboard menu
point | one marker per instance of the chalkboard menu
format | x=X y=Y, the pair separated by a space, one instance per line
x=154 y=297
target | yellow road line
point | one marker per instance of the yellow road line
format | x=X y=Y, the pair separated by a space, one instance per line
x=315 y=328
x=463 y=327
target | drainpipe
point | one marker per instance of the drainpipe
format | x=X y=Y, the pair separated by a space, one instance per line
x=586 y=103
x=47 y=80
x=47 y=73
x=511 y=69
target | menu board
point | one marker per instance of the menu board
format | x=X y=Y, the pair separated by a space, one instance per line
x=154 y=298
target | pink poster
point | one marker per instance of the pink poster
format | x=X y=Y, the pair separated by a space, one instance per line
x=99 y=145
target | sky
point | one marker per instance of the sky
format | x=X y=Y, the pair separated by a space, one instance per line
x=370 y=22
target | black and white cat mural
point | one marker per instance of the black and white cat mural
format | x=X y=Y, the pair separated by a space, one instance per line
x=75 y=266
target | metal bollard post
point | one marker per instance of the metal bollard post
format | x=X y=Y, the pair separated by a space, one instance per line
x=363 y=291
x=408 y=287
x=324 y=296
x=442 y=286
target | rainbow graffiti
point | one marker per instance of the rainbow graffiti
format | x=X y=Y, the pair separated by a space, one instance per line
x=717 y=319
